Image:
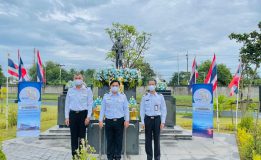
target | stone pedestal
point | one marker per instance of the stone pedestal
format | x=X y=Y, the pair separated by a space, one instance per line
x=132 y=138
x=171 y=108
x=97 y=139
x=61 y=109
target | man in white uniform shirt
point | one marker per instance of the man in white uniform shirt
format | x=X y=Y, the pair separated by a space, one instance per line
x=78 y=110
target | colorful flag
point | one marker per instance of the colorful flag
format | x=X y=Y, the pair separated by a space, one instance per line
x=212 y=74
x=21 y=70
x=194 y=73
x=40 y=70
x=12 y=68
x=233 y=85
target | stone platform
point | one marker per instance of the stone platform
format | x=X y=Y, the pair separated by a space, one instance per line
x=176 y=144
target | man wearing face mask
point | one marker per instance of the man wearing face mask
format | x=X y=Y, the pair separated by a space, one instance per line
x=153 y=112
x=115 y=109
x=78 y=110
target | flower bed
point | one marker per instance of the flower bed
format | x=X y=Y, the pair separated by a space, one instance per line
x=129 y=77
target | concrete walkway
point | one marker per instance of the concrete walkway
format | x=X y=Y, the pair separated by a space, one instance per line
x=222 y=148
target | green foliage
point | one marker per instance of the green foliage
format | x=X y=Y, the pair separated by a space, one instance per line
x=12 y=118
x=183 y=79
x=247 y=123
x=146 y=71
x=33 y=73
x=2 y=155
x=221 y=104
x=250 y=54
x=251 y=50
x=52 y=70
x=85 y=152
x=224 y=74
x=89 y=76
x=256 y=156
x=2 y=77
x=246 y=143
x=257 y=139
x=135 y=43
x=249 y=138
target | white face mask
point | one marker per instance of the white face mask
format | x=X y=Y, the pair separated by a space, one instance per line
x=114 y=89
x=78 y=82
x=152 y=87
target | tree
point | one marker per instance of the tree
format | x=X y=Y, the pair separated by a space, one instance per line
x=182 y=77
x=53 y=73
x=89 y=76
x=134 y=42
x=33 y=73
x=224 y=74
x=2 y=77
x=146 y=71
x=250 y=53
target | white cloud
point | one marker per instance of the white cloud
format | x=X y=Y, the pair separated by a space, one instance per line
x=72 y=32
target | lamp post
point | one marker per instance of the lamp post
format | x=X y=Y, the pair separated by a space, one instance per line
x=60 y=65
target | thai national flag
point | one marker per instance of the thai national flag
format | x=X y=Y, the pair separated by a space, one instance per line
x=12 y=68
x=194 y=73
x=40 y=70
x=235 y=81
x=21 y=70
x=212 y=74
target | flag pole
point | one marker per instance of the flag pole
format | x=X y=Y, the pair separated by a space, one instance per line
x=237 y=105
x=217 y=110
x=195 y=70
x=7 y=98
x=238 y=93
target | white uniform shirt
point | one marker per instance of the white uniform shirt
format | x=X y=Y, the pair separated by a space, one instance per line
x=78 y=100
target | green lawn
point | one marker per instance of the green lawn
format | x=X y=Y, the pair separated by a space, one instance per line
x=225 y=123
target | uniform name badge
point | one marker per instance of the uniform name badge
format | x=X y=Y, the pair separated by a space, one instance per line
x=156 y=107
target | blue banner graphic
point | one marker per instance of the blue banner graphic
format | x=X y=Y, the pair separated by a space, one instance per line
x=202 y=104
x=29 y=109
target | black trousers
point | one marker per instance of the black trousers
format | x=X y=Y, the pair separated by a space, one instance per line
x=77 y=129
x=152 y=130
x=114 y=133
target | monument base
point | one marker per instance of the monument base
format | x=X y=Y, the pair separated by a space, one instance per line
x=97 y=138
x=171 y=107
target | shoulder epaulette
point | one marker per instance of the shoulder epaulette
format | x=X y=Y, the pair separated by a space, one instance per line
x=145 y=94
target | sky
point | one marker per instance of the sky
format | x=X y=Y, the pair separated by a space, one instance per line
x=72 y=32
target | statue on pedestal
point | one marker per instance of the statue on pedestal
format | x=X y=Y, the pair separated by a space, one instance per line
x=119 y=49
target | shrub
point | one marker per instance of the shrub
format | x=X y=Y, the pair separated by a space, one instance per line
x=2 y=155
x=2 y=125
x=85 y=152
x=247 y=123
x=257 y=139
x=256 y=156
x=229 y=127
x=246 y=143
x=12 y=118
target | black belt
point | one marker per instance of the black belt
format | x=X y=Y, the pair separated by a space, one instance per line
x=115 y=119
x=72 y=111
x=153 y=117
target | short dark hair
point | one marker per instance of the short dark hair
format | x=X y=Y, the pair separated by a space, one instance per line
x=115 y=81
x=152 y=80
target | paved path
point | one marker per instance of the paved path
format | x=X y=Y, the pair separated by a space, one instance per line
x=222 y=148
